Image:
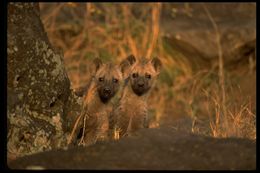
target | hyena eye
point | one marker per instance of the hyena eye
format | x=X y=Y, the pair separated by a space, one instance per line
x=101 y=79
x=148 y=76
x=134 y=75
x=115 y=80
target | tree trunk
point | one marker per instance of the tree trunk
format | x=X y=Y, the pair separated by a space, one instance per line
x=38 y=86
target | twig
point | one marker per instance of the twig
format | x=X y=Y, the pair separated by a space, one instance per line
x=155 y=23
x=82 y=141
x=130 y=40
x=74 y=129
x=221 y=64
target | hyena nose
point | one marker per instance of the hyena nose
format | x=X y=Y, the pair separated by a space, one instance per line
x=107 y=90
x=140 y=84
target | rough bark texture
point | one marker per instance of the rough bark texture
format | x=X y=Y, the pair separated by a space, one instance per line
x=38 y=86
x=151 y=149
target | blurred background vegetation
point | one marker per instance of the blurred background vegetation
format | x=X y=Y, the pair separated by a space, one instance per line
x=216 y=92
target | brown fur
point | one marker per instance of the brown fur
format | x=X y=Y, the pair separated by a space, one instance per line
x=97 y=101
x=131 y=113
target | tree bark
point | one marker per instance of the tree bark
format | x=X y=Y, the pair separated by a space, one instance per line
x=39 y=95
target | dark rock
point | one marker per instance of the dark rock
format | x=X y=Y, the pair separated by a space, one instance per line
x=152 y=149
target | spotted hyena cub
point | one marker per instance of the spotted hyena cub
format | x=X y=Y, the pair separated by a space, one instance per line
x=131 y=112
x=97 y=101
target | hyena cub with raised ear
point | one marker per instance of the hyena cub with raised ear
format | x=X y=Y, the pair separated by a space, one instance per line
x=131 y=112
x=96 y=103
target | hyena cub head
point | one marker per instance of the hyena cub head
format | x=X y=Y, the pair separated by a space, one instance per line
x=108 y=79
x=143 y=73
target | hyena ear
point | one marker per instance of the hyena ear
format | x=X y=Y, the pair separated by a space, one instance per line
x=157 y=64
x=131 y=59
x=126 y=63
x=97 y=62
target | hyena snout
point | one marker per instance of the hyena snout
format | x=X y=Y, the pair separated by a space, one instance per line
x=140 y=86
x=106 y=93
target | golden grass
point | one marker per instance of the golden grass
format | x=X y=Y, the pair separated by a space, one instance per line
x=222 y=106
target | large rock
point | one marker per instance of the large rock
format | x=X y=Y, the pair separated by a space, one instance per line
x=188 y=24
x=152 y=149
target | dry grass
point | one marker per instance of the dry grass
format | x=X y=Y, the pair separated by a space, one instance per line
x=230 y=124
x=239 y=121
x=115 y=30
x=222 y=106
